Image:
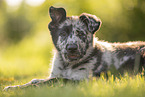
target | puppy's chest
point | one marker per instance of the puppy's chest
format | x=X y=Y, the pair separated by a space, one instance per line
x=80 y=72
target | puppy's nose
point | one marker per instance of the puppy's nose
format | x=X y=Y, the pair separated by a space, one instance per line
x=72 y=48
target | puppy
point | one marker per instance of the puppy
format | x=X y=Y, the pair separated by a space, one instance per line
x=80 y=55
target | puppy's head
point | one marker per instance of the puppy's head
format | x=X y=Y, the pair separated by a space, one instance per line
x=72 y=36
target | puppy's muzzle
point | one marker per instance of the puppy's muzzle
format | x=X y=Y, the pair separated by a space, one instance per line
x=72 y=48
x=72 y=52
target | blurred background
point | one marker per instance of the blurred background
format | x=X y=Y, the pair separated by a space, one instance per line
x=26 y=48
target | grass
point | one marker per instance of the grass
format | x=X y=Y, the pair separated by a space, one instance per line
x=31 y=58
x=119 y=87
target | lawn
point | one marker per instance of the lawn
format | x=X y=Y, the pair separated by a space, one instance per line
x=19 y=63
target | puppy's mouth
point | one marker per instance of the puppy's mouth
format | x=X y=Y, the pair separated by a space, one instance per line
x=73 y=56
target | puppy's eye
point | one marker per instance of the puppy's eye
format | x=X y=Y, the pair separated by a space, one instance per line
x=80 y=33
x=63 y=33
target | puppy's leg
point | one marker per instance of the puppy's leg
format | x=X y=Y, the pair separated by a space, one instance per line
x=40 y=82
x=32 y=82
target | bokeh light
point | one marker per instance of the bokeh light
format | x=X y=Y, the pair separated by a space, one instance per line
x=34 y=2
x=14 y=2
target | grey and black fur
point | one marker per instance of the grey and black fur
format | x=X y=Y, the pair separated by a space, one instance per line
x=80 y=55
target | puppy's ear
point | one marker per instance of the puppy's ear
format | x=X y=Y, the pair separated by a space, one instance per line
x=92 y=22
x=57 y=15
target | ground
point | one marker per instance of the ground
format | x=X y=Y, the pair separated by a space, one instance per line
x=125 y=86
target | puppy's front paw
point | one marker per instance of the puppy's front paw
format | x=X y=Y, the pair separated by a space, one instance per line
x=10 y=88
